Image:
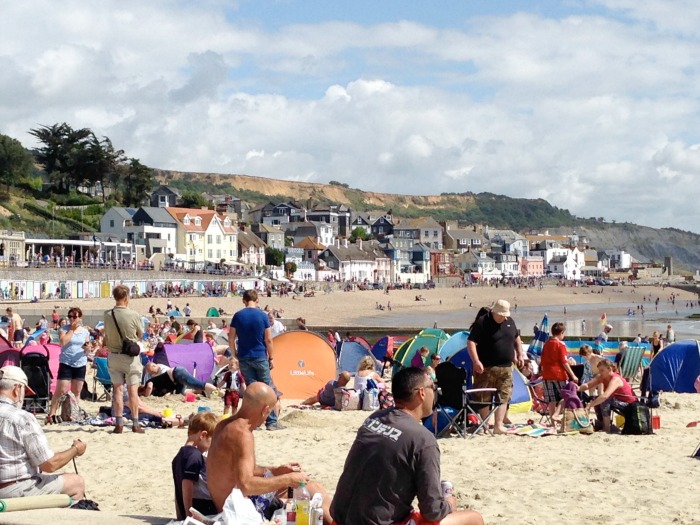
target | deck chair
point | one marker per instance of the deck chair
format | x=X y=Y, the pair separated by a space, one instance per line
x=631 y=363
x=458 y=403
x=102 y=377
x=539 y=405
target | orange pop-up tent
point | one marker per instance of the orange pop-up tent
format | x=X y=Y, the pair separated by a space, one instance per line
x=304 y=363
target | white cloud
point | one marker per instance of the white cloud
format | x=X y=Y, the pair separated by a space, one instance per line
x=595 y=111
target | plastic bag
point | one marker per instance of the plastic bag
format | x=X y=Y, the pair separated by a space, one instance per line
x=239 y=510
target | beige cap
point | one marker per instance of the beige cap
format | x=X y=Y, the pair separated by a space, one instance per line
x=501 y=308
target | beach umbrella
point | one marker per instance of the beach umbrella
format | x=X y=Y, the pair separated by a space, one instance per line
x=540 y=338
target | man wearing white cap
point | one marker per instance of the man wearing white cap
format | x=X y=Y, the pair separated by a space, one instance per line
x=602 y=337
x=494 y=345
x=27 y=462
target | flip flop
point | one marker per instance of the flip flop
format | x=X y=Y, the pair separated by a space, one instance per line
x=692 y=424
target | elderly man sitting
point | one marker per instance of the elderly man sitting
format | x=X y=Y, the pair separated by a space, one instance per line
x=27 y=462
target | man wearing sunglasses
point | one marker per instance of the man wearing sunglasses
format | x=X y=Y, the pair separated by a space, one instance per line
x=395 y=459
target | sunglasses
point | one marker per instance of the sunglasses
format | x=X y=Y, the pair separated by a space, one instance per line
x=72 y=317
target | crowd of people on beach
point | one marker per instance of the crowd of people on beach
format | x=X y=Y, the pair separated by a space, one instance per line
x=218 y=456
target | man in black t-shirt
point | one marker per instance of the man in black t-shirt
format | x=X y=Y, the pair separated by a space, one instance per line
x=395 y=459
x=494 y=345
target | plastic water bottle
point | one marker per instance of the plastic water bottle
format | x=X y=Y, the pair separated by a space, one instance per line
x=301 y=502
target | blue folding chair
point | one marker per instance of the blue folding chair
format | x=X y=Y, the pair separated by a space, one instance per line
x=102 y=377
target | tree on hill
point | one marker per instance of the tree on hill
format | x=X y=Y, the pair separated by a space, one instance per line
x=138 y=181
x=192 y=199
x=15 y=161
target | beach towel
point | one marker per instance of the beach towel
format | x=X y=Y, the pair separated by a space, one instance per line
x=532 y=430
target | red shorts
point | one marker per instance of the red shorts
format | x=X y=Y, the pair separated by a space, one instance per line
x=414 y=518
x=231 y=398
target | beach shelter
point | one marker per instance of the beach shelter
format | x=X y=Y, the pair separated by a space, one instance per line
x=361 y=340
x=454 y=344
x=540 y=338
x=9 y=355
x=351 y=353
x=387 y=346
x=196 y=358
x=304 y=363
x=675 y=368
x=433 y=338
x=521 y=399
x=213 y=312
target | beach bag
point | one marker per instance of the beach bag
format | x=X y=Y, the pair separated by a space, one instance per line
x=637 y=419
x=370 y=399
x=68 y=408
x=346 y=399
x=576 y=419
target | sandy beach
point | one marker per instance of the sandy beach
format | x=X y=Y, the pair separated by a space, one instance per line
x=509 y=479
x=451 y=308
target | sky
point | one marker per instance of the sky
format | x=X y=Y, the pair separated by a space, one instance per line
x=592 y=105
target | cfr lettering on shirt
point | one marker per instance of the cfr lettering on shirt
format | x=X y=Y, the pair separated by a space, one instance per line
x=373 y=425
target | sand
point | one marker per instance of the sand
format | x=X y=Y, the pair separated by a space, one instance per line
x=509 y=479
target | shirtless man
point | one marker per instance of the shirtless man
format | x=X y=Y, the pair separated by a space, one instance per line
x=17 y=327
x=231 y=460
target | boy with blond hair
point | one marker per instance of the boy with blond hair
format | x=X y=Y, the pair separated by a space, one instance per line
x=189 y=468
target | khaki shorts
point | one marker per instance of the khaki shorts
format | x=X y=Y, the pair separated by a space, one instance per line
x=498 y=377
x=36 y=486
x=124 y=369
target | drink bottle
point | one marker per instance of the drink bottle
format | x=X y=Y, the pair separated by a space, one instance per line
x=301 y=503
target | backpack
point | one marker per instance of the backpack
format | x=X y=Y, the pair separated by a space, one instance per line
x=69 y=409
x=637 y=419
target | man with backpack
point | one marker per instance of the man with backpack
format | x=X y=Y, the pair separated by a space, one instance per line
x=27 y=463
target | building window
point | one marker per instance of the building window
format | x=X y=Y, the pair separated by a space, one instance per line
x=209 y=239
x=111 y=224
x=218 y=239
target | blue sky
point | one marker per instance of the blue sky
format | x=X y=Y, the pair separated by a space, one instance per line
x=590 y=104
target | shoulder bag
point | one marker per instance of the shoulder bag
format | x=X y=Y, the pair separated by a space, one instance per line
x=130 y=348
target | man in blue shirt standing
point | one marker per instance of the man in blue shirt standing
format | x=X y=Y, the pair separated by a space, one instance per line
x=253 y=346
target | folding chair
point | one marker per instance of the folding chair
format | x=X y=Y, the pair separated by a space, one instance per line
x=631 y=362
x=696 y=454
x=456 y=401
x=539 y=405
x=102 y=377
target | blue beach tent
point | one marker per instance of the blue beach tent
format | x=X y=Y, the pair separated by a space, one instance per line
x=675 y=368
x=351 y=353
x=454 y=344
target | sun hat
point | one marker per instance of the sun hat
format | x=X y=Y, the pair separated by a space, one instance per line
x=501 y=307
x=16 y=374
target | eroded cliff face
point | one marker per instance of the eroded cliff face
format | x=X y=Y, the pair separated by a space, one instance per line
x=301 y=191
x=644 y=243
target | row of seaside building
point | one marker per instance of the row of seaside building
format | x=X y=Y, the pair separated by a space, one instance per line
x=231 y=236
